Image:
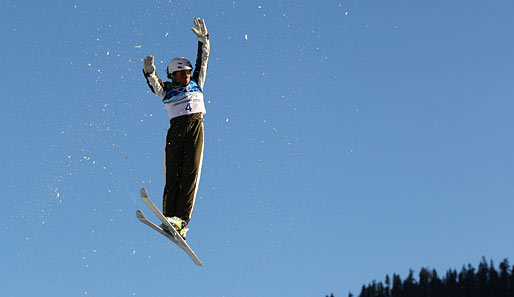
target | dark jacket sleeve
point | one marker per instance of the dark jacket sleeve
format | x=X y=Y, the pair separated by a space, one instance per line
x=157 y=86
x=202 y=62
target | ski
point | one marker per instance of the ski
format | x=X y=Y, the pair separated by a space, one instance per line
x=170 y=233
x=141 y=217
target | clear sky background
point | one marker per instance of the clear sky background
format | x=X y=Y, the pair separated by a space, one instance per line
x=345 y=140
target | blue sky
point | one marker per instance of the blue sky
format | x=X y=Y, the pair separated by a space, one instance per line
x=345 y=140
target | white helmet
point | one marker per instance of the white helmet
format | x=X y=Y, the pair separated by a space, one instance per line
x=178 y=64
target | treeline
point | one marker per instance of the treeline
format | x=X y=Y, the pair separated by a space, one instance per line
x=485 y=281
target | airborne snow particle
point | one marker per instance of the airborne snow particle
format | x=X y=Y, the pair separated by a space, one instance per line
x=246 y=36
x=137 y=46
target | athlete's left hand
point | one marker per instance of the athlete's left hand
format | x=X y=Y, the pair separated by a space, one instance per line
x=200 y=29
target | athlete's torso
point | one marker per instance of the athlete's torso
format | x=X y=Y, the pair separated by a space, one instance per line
x=181 y=101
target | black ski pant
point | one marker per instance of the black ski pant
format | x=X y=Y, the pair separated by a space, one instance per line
x=183 y=165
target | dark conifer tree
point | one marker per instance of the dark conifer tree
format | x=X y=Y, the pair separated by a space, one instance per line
x=388 y=286
x=511 y=283
x=424 y=283
x=436 y=288
x=503 y=282
x=485 y=281
x=410 y=285
x=452 y=285
x=467 y=281
x=493 y=281
x=482 y=281
x=397 y=289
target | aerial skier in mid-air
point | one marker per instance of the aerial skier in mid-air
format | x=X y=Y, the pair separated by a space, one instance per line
x=183 y=153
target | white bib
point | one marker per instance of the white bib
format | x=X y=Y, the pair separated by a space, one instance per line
x=190 y=103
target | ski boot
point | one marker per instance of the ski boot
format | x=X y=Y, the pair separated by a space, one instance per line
x=183 y=232
x=178 y=224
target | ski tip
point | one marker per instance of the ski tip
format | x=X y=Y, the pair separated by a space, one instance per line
x=144 y=193
x=139 y=215
x=199 y=263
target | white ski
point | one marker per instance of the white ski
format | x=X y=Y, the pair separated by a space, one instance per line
x=170 y=233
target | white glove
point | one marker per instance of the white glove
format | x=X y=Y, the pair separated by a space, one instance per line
x=148 y=66
x=200 y=29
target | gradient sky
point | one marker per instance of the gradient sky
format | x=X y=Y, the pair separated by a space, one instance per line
x=345 y=140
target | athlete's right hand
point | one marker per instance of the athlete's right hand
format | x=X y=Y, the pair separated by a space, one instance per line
x=148 y=66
